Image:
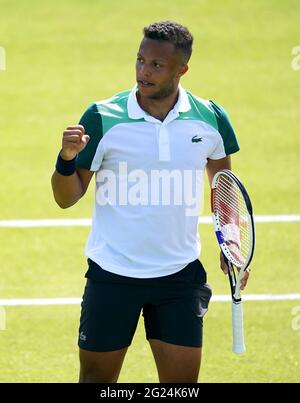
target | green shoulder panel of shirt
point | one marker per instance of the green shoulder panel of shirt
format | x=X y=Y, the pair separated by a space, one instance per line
x=101 y=116
x=98 y=119
x=92 y=123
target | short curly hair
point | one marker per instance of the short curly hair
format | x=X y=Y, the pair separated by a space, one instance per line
x=173 y=32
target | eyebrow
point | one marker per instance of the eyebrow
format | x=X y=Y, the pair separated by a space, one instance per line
x=155 y=60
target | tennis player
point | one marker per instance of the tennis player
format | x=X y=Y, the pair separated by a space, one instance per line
x=147 y=149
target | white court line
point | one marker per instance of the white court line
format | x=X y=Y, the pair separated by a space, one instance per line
x=55 y=222
x=40 y=301
x=86 y=222
x=76 y=301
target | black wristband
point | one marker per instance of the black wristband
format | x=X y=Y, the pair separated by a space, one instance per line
x=64 y=167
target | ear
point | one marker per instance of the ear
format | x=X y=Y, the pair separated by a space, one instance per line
x=182 y=70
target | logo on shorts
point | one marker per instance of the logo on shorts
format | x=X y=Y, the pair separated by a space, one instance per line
x=82 y=336
x=196 y=139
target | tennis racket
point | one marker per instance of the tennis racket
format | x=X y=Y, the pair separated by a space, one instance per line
x=234 y=226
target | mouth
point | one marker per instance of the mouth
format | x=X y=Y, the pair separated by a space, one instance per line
x=144 y=84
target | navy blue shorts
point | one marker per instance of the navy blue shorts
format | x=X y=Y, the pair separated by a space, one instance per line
x=172 y=306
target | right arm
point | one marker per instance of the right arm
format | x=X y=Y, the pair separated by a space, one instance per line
x=67 y=190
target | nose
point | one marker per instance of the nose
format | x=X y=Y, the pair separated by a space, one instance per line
x=144 y=70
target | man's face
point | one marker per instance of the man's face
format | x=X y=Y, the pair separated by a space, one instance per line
x=158 y=68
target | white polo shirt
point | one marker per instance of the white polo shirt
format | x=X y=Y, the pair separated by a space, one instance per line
x=149 y=179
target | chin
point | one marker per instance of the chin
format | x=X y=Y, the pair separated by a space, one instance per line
x=147 y=92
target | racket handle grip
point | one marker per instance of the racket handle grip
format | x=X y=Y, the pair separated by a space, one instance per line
x=238 y=343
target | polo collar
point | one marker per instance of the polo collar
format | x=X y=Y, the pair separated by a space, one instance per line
x=136 y=112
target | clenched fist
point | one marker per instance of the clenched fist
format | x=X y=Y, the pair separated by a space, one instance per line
x=74 y=140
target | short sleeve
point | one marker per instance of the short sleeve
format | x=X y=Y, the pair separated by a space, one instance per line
x=91 y=120
x=228 y=142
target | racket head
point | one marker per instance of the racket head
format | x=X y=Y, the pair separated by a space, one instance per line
x=232 y=214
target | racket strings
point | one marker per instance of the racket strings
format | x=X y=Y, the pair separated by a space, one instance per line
x=233 y=218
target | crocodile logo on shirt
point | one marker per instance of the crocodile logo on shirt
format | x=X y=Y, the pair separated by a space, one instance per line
x=196 y=139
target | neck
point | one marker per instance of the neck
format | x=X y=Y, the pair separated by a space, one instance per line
x=158 y=108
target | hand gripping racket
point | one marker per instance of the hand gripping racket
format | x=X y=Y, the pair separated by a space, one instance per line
x=234 y=226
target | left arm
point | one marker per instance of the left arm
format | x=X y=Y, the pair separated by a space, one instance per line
x=212 y=167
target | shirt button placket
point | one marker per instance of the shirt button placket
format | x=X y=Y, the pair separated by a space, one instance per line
x=164 y=144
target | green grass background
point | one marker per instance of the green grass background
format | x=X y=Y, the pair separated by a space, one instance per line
x=63 y=55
